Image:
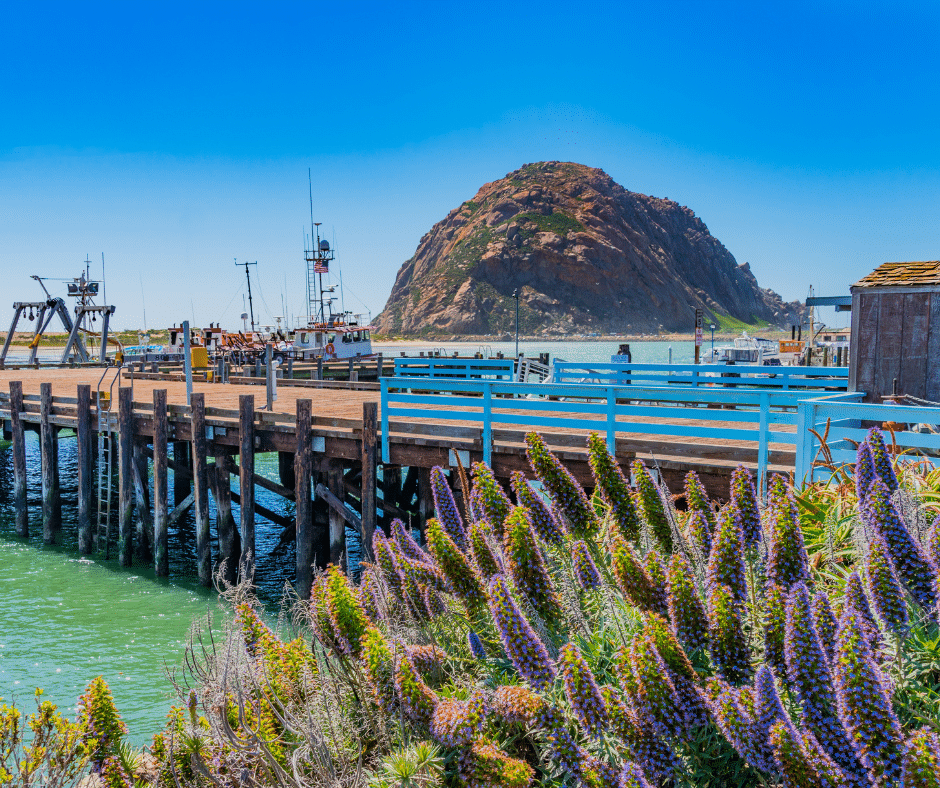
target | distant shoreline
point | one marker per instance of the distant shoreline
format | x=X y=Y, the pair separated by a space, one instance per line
x=726 y=336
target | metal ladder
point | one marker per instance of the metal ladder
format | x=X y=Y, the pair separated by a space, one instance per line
x=105 y=465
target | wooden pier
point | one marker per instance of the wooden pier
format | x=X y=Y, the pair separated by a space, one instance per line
x=327 y=437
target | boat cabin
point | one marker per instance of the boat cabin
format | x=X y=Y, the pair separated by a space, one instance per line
x=333 y=342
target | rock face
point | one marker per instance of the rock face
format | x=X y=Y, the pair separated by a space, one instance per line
x=585 y=255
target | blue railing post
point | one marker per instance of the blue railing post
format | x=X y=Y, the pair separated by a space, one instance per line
x=487 y=423
x=611 y=421
x=804 y=440
x=384 y=407
x=695 y=377
x=762 y=441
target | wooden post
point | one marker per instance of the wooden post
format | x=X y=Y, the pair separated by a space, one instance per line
x=160 y=491
x=378 y=367
x=180 y=480
x=19 y=459
x=86 y=475
x=303 y=470
x=334 y=481
x=320 y=368
x=370 y=414
x=142 y=500
x=201 y=489
x=391 y=485
x=125 y=476
x=229 y=542
x=51 y=515
x=425 y=500
x=246 y=486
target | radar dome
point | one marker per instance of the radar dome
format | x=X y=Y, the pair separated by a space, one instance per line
x=324 y=245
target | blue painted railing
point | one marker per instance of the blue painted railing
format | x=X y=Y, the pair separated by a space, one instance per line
x=698 y=375
x=460 y=368
x=850 y=421
x=609 y=410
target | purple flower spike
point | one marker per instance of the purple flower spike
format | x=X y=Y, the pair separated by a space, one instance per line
x=456 y=723
x=585 y=570
x=802 y=762
x=446 y=508
x=486 y=562
x=884 y=465
x=406 y=543
x=476 y=645
x=922 y=759
x=635 y=584
x=461 y=577
x=700 y=534
x=726 y=561
x=584 y=696
x=696 y=499
x=787 y=562
x=909 y=559
x=744 y=499
x=567 y=495
x=856 y=597
x=491 y=497
x=825 y=622
x=523 y=647
x=527 y=567
x=514 y=704
x=811 y=679
x=886 y=593
x=768 y=710
x=727 y=642
x=632 y=776
x=775 y=618
x=864 y=707
x=542 y=519
x=685 y=605
x=864 y=474
x=614 y=488
x=739 y=728
x=652 y=507
x=563 y=752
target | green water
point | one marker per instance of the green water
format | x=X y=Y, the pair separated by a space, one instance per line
x=66 y=618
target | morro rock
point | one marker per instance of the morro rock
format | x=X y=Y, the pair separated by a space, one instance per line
x=584 y=254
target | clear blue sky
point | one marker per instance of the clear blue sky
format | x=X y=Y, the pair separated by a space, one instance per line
x=176 y=137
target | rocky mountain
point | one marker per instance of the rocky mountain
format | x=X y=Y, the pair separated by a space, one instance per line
x=585 y=255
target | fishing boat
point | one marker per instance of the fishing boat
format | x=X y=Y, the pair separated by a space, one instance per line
x=754 y=351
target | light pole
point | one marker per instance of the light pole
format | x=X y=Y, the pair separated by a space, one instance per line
x=515 y=294
x=712 y=327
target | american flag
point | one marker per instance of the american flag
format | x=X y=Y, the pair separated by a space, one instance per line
x=321 y=267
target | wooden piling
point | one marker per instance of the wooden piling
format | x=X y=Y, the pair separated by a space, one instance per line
x=85 y=463
x=303 y=470
x=425 y=500
x=201 y=489
x=125 y=476
x=181 y=480
x=19 y=459
x=369 y=441
x=336 y=485
x=144 y=528
x=391 y=487
x=160 y=491
x=229 y=541
x=246 y=486
x=51 y=516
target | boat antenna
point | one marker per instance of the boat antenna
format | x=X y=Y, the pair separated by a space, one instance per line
x=251 y=308
x=143 y=300
x=104 y=280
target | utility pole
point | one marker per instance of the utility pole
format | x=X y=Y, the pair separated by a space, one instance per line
x=251 y=307
x=515 y=294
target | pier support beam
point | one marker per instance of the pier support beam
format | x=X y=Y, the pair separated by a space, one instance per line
x=425 y=501
x=201 y=489
x=391 y=488
x=51 y=503
x=336 y=485
x=369 y=440
x=229 y=541
x=86 y=473
x=246 y=486
x=142 y=502
x=125 y=476
x=160 y=491
x=21 y=512
x=303 y=469
x=181 y=459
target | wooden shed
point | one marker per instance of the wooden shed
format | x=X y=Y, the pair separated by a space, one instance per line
x=896 y=332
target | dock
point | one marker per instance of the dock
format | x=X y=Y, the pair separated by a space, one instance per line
x=354 y=454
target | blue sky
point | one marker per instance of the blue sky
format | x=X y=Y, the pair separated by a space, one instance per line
x=176 y=137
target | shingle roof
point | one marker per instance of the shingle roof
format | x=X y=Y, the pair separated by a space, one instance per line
x=903 y=275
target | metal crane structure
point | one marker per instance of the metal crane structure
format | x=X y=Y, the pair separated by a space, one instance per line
x=43 y=312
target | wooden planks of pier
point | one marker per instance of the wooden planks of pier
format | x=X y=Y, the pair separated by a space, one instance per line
x=327 y=440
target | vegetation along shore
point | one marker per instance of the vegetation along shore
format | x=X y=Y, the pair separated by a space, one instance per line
x=642 y=637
